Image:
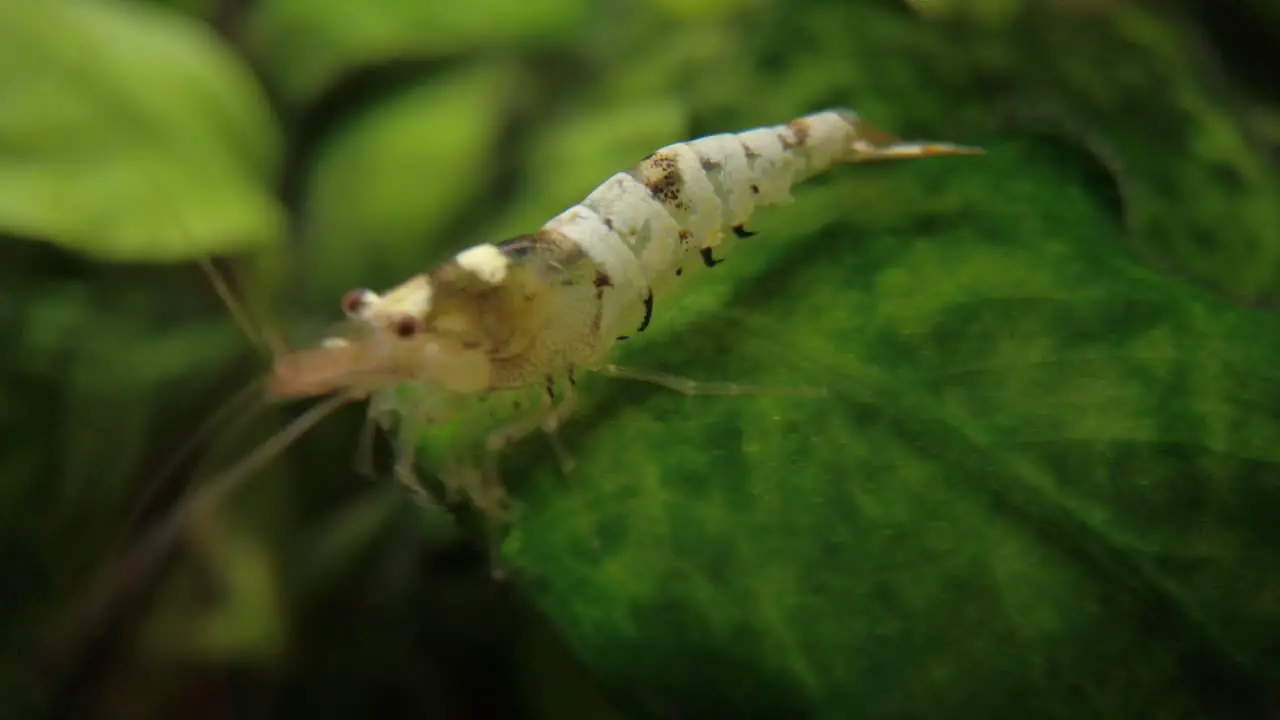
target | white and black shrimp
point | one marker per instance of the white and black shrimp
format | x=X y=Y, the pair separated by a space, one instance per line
x=536 y=309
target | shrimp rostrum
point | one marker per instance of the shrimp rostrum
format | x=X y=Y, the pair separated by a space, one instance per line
x=532 y=311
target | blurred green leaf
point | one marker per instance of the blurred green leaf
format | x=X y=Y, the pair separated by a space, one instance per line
x=207 y=9
x=344 y=541
x=391 y=181
x=582 y=146
x=242 y=612
x=103 y=360
x=994 y=12
x=699 y=9
x=130 y=133
x=303 y=45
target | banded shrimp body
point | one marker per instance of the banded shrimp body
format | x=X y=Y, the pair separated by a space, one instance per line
x=539 y=310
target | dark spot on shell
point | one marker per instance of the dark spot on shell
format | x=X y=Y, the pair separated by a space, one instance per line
x=755 y=189
x=685 y=236
x=598 y=317
x=545 y=243
x=603 y=280
x=679 y=272
x=648 y=311
x=662 y=161
x=666 y=186
x=608 y=222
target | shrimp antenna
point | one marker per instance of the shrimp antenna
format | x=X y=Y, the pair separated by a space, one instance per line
x=216 y=420
x=121 y=580
x=267 y=340
x=232 y=478
x=238 y=401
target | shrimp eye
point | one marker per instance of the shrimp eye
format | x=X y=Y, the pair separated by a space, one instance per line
x=406 y=326
x=354 y=301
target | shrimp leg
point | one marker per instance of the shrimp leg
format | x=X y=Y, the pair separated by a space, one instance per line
x=491 y=496
x=548 y=418
x=407 y=430
x=407 y=438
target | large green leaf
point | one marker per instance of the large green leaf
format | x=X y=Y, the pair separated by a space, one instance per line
x=131 y=133
x=1040 y=485
x=1032 y=490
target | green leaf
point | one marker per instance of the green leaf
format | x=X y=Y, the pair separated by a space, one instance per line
x=392 y=180
x=248 y=621
x=582 y=146
x=1130 y=84
x=1040 y=487
x=131 y=134
x=304 y=45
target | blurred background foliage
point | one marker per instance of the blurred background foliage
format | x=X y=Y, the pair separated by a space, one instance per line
x=1043 y=483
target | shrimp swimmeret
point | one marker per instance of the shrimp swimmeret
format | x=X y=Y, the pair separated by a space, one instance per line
x=536 y=309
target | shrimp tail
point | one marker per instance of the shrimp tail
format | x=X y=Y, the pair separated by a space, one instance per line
x=902 y=150
x=871 y=144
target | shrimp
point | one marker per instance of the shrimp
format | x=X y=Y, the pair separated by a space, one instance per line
x=525 y=314
x=535 y=310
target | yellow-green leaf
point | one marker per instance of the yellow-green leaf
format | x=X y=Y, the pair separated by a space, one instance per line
x=131 y=133
x=385 y=186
